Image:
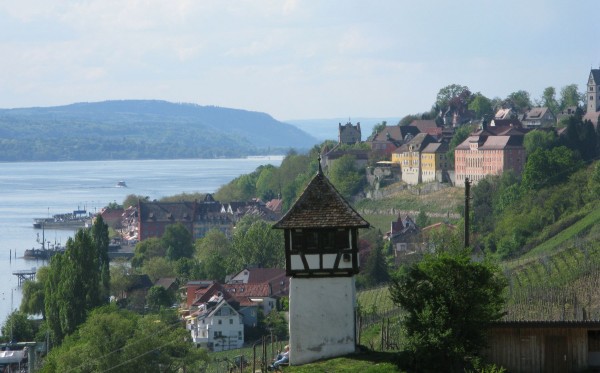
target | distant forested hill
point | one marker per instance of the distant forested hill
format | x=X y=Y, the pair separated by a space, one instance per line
x=142 y=129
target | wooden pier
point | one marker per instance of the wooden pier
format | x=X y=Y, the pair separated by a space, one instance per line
x=24 y=275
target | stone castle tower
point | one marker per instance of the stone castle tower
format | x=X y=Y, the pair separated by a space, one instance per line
x=593 y=91
x=593 y=97
x=348 y=133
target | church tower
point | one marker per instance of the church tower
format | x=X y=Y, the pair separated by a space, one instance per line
x=321 y=253
x=593 y=91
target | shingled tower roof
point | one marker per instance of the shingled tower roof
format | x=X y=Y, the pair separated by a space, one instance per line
x=321 y=206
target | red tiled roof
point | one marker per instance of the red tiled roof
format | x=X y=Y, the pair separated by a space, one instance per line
x=275 y=205
x=261 y=275
x=248 y=290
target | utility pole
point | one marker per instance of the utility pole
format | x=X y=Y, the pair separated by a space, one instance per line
x=467 y=197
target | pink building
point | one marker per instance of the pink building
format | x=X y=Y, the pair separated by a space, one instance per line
x=484 y=154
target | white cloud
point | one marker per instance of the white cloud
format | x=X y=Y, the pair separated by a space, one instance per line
x=290 y=58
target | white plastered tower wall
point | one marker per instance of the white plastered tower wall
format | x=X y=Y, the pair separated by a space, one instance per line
x=593 y=102
x=321 y=253
x=322 y=318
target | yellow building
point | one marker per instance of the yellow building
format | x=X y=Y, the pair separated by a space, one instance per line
x=409 y=158
x=434 y=162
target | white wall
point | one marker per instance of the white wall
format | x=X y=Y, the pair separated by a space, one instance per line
x=322 y=321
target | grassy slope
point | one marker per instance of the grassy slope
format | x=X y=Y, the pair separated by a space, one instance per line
x=436 y=204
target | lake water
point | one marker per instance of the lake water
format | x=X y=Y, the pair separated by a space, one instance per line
x=40 y=189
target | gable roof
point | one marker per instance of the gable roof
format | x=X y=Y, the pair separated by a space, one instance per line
x=275 y=205
x=165 y=282
x=166 y=211
x=321 y=206
x=139 y=282
x=395 y=133
x=503 y=114
x=595 y=74
x=428 y=126
x=536 y=113
x=420 y=141
x=492 y=142
x=436 y=147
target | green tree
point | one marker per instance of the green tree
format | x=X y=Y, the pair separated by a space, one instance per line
x=213 y=251
x=376 y=270
x=460 y=135
x=100 y=239
x=120 y=279
x=453 y=98
x=422 y=219
x=158 y=297
x=178 y=241
x=158 y=267
x=146 y=249
x=449 y=300
x=267 y=184
x=481 y=105
x=548 y=167
x=570 y=96
x=120 y=341
x=215 y=265
x=276 y=322
x=549 y=100
x=18 y=328
x=255 y=243
x=187 y=269
x=483 y=204
x=32 y=302
x=519 y=101
x=594 y=181
x=213 y=241
x=346 y=177
x=74 y=285
x=538 y=139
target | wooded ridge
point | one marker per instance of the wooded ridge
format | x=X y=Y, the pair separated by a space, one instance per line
x=142 y=129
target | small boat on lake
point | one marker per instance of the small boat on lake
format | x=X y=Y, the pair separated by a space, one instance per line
x=121 y=184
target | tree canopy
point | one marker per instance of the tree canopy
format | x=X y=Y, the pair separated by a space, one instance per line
x=121 y=341
x=77 y=280
x=449 y=300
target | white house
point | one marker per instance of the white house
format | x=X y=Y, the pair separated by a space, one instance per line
x=216 y=326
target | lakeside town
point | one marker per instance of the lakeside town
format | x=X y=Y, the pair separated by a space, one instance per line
x=224 y=314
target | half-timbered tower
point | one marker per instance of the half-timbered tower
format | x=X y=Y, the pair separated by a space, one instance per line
x=321 y=251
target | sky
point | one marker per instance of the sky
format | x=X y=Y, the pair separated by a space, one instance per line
x=292 y=59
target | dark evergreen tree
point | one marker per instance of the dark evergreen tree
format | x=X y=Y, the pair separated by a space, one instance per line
x=376 y=269
x=101 y=241
x=178 y=241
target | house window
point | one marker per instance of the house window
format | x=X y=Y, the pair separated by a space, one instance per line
x=591 y=98
x=220 y=322
x=230 y=321
x=240 y=336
